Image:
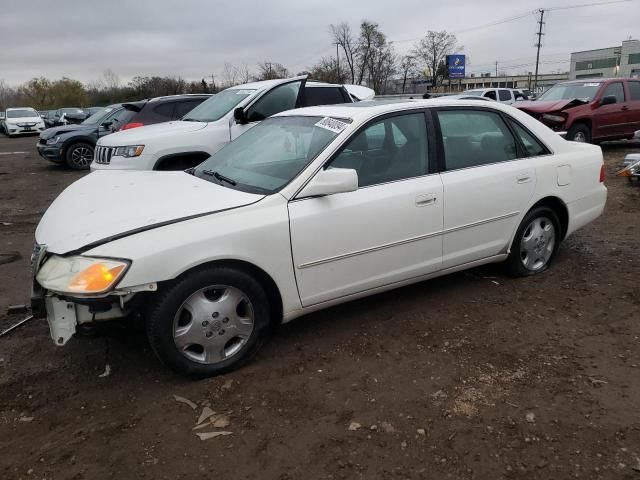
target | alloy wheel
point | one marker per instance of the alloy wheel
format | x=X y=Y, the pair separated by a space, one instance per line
x=82 y=156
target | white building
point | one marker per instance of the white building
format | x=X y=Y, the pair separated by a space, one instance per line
x=622 y=61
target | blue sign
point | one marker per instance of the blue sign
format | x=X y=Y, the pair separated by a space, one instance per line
x=456 y=66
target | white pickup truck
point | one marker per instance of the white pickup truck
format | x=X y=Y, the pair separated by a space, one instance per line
x=185 y=143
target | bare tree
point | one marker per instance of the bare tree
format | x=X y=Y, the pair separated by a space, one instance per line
x=381 y=63
x=229 y=75
x=111 y=79
x=408 y=68
x=271 y=71
x=326 y=70
x=369 y=31
x=244 y=74
x=343 y=36
x=433 y=49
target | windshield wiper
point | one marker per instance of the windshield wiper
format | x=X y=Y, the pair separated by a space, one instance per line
x=220 y=177
x=189 y=120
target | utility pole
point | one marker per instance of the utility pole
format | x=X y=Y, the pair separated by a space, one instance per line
x=338 y=79
x=539 y=44
x=496 y=68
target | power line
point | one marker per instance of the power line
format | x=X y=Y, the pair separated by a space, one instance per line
x=568 y=7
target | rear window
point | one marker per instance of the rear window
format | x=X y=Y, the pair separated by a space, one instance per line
x=322 y=96
x=634 y=90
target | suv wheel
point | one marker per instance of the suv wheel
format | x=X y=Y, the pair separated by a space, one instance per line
x=209 y=322
x=79 y=156
x=579 y=133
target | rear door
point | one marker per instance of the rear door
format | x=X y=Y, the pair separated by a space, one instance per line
x=486 y=185
x=612 y=120
x=633 y=94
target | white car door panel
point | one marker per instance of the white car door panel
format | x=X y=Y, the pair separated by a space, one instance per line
x=483 y=206
x=351 y=242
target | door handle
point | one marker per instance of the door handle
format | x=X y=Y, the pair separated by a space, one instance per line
x=424 y=200
x=524 y=178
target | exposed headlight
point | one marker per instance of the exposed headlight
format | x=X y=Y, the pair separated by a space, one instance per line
x=53 y=140
x=553 y=118
x=83 y=275
x=129 y=151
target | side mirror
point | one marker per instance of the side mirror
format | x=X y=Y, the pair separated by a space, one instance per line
x=239 y=116
x=330 y=181
x=608 y=100
x=107 y=124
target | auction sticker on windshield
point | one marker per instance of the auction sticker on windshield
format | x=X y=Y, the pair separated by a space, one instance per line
x=244 y=92
x=331 y=124
x=591 y=85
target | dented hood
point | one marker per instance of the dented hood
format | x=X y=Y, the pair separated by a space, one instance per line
x=112 y=204
x=546 y=106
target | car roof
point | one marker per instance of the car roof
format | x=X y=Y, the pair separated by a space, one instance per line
x=20 y=108
x=178 y=97
x=371 y=108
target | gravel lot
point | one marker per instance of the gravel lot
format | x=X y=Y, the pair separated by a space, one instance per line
x=470 y=376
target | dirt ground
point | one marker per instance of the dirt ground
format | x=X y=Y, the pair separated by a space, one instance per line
x=470 y=376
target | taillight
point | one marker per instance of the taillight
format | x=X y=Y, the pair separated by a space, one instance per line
x=132 y=125
x=603 y=173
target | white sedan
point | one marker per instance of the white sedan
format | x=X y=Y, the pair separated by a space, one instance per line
x=311 y=208
x=22 y=120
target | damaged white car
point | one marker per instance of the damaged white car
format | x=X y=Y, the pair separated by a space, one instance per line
x=308 y=209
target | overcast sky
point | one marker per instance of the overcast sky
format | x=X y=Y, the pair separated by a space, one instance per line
x=193 y=38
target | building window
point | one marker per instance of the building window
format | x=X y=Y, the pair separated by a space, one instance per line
x=589 y=75
x=597 y=63
x=634 y=58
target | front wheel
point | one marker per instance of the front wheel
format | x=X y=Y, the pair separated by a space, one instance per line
x=579 y=133
x=536 y=242
x=79 y=156
x=210 y=322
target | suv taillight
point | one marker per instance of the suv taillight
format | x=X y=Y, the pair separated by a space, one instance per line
x=603 y=173
x=132 y=125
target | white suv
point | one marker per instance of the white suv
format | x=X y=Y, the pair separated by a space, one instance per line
x=203 y=131
x=507 y=96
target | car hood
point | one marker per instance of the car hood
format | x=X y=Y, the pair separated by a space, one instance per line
x=106 y=205
x=25 y=120
x=545 y=106
x=55 y=131
x=141 y=135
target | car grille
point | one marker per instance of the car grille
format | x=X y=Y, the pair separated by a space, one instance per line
x=26 y=124
x=103 y=155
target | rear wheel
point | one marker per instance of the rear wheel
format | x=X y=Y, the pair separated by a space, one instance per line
x=579 y=133
x=536 y=242
x=210 y=322
x=79 y=156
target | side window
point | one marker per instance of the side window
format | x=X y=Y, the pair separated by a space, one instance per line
x=164 y=110
x=185 y=106
x=472 y=138
x=490 y=94
x=616 y=90
x=391 y=149
x=279 y=99
x=504 y=95
x=532 y=146
x=634 y=90
x=322 y=96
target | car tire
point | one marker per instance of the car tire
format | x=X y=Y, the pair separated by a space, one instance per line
x=79 y=155
x=579 y=132
x=211 y=321
x=535 y=243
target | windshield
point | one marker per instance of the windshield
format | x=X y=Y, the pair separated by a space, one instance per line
x=568 y=91
x=97 y=117
x=26 y=113
x=218 y=105
x=268 y=156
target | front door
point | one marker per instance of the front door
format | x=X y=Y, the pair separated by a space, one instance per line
x=284 y=96
x=486 y=186
x=386 y=231
x=611 y=120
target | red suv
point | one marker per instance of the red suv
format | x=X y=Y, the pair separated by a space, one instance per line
x=590 y=110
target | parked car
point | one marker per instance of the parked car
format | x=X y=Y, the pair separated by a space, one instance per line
x=590 y=110
x=21 y=120
x=507 y=96
x=60 y=115
x=203 y=131
x=75 y=144
x=211 y=259
x=49 y=117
